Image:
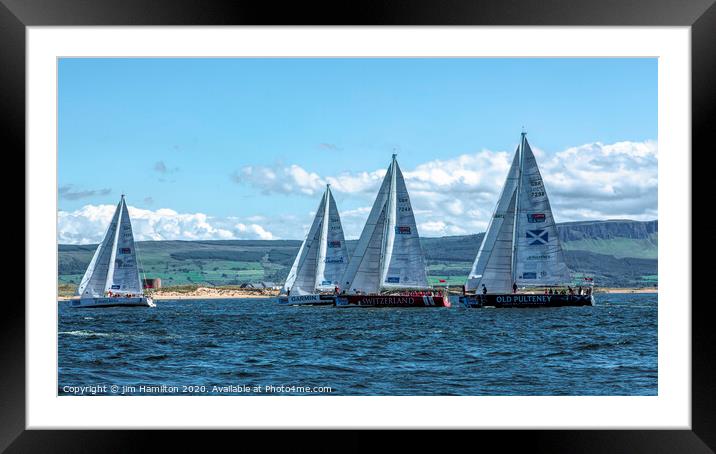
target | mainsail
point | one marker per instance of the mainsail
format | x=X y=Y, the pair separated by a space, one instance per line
x=114 y=265
x=521 y=244
x=388 y=255
x=322 y=258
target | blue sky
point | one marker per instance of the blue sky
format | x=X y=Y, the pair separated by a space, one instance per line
x=199 y=136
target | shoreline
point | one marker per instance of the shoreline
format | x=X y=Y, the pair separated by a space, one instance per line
x=217 y=293
x=204 y=293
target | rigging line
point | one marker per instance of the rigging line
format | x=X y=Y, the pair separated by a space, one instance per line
x=143 y=277
x=139 y=259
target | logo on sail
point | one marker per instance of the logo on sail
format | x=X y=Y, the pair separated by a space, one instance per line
x=334 y=260
x=125 y=250
x=326 y=282
x=392 y=280
x=334 y=244
x=529 y=275
x=115 y=286
x=533 y=218
x=402 y=229
x=537 y=237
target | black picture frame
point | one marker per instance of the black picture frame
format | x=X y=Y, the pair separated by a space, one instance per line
x=700 y=15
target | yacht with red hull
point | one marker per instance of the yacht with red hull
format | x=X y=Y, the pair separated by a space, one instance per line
x=398 y=300
x=387 y=268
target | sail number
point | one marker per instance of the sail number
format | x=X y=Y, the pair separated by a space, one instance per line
x=405 y=204
x=536 y=188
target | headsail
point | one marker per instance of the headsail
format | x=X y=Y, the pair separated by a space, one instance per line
x=332 y=255
x=493 y=264
x=322 y=258
x=521 y=243
x=94 y=281
x=114 y=264
x=388 y=255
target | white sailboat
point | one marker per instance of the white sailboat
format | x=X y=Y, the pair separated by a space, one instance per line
x=521 y=247
x=387 y=267
x=320 y=261
x=112 y=277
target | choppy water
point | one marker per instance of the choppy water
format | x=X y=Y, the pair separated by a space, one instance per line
x=609 y=349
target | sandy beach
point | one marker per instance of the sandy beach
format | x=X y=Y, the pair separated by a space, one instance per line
x=214 y=292
x=204 y=293
x=231 y=293
x=626 y=290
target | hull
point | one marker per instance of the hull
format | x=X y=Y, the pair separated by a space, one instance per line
x=391 y=301
x=144 y=301
x=308 y=300
x=526 y=301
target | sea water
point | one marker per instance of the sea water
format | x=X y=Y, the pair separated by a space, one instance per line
x=258 y=347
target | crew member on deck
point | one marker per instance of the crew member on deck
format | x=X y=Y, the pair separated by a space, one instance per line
x=514 y=287
x=484 y=289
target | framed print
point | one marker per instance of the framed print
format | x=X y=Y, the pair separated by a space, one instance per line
x=422 y=217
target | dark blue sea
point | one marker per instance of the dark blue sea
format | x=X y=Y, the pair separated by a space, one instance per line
x=255 y=346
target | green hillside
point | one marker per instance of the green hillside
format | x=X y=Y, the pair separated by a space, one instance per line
x=646 y=248
x=616 y=253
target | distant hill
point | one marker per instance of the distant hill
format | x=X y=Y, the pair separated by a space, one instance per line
x=617 y=252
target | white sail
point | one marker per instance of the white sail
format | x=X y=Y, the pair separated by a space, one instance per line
x=94 y=281
x=538 y=255
x=125 y=272
x=302 y=277
x=521 y=244
x=114 y=264
x=322 y=257
x=388 y=255
x=493 y=264
x=333 y=255
x=363 y=271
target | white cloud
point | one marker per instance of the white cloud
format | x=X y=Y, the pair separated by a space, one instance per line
x=598 y=181
x=452 y=196
x=457 y=195
x=255 y=229
x=88 y=225
x=283 y=180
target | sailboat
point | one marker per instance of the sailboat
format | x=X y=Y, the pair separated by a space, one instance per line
x=321 y=260
x=387 y=268
x=112 y=277
x=521 y=247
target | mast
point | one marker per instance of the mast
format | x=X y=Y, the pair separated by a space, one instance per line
x=321 y=259
x=110 y=271
x=322 y=241
x=386 y=250
x=388 y=255
x=517 y=202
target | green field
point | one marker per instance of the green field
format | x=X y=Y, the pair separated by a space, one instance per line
x=213 y=263
x=613 y=260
